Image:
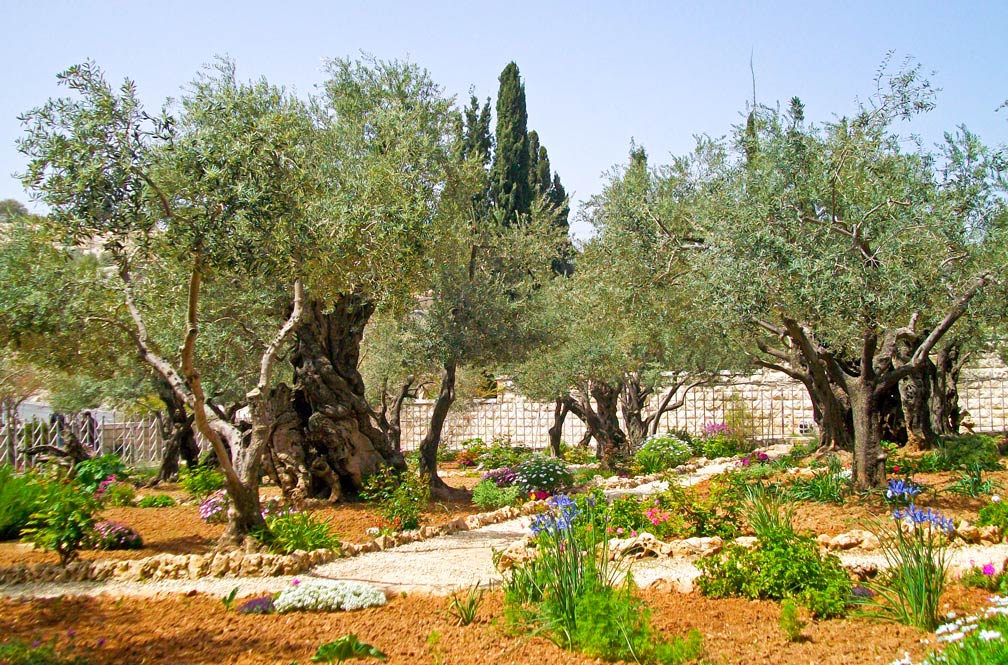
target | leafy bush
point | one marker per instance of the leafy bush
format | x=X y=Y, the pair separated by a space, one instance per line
x=90 y=473
x=17 y=652
x=400 y=499
x=994 y=513
x=790 y=622
x=789 y=567
x=489 y=496
x=201 y=481
x=783 y=565
x=577 y=454
x=964 y=451
x=328 y=596
x=985 y=577
x=64 y=518
x=116 y=493
x=346 y=648
x=299 y=531
x=115 y=536
x=718 y=440
x=214 y=508
x=19 y=496
x=156 y=501
x=543 y=474
x=503 y=453
x=973 y=640
x=464 y=610
x=915 y=551
x=662 y=452
x=629 y=514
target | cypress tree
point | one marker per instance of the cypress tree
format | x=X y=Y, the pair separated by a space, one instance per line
x=509 y=176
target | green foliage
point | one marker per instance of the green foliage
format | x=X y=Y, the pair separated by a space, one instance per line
x=64 y=518
x=90 y=473
x=994 y=513
x=963 y=452
x=288 y=532
x=489 y=496
x=156 y=501
x=464 y=610
x=973 y=641
x=201 y=481
x=347 y=647
x=229 y=599
x=790 y=621
x=577 y=454
x=510 y=189
x=783 y=565
x=118 y=494
x=985 y=577
x=542 y=474
x=503 y=453
x=19 y=497
x=400 y=499
x=971 y=482
x=910 y=588
x=830 y=486
x=17 y=652
x=662 y=452
x=568 y=590
x=664 y=516
x=722 y=444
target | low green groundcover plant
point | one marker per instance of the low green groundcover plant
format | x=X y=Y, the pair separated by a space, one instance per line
x=971 y=640
x=662 y=452
x=110 y=535
x=18 y=652
x=115 y=493
x=543 y=474
x=292 y=531
x=829 y=486
x=994 y=513
x=488 y=496
x=19 y=497
x=345 y=648
x=985 y=577
x=328 y=596
x=156 y=501
x=214 y=508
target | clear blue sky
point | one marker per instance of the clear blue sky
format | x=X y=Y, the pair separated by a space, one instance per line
x=596 y=73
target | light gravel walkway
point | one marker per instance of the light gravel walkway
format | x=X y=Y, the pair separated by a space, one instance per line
x=447 y=563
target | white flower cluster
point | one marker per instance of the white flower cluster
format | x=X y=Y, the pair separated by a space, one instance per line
x=954 y=631
x=328 y=596
x=542 y=473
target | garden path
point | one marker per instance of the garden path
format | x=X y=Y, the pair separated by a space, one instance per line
x=443 y=564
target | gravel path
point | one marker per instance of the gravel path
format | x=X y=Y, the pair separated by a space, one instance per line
x=446 y=563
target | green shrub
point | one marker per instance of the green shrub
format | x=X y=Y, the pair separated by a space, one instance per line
x=17 y=652
x=90 y=473
x=628 y=514
x=64 y=518
x=19 y=496
x=109 y=535
x=503 y=453
x=966 y=450
x=299 y=531
x=662 y=452
x=400 y=500
x=577 y=454
x=470 y=451
x=201 y=481
x=994 y=513
x=156 y=501
x=985 y=577
x=117 y=494
x=542 y=474
x=489 y=496
x=971 y=482
x=974 y=640
x=783 y=565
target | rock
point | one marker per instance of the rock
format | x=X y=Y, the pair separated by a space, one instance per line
x=847 y=541
x=990 y=534
x=373 y=531
x=861 y=570
x=197 y=566
x=698 y=546
x=823 y=539
x=968 y=532
x=748 y=542
x=514 y=554
x=384 y=542
x=474 y=521
x=429 y=531
x=220 y=564
x=251 y=565
x=684 y=585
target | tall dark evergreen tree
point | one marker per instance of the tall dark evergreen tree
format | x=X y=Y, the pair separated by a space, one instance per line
x=509 y=177
x=539 y=166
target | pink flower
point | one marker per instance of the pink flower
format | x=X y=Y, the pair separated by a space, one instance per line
x=988 y=569
x=295 y=582
x=619 y=531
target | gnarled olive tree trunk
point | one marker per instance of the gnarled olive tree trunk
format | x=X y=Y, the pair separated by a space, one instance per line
x=432 y=440
x=176 y=426
x=336 y=445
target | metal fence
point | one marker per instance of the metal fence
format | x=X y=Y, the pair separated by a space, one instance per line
x=764 y=407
